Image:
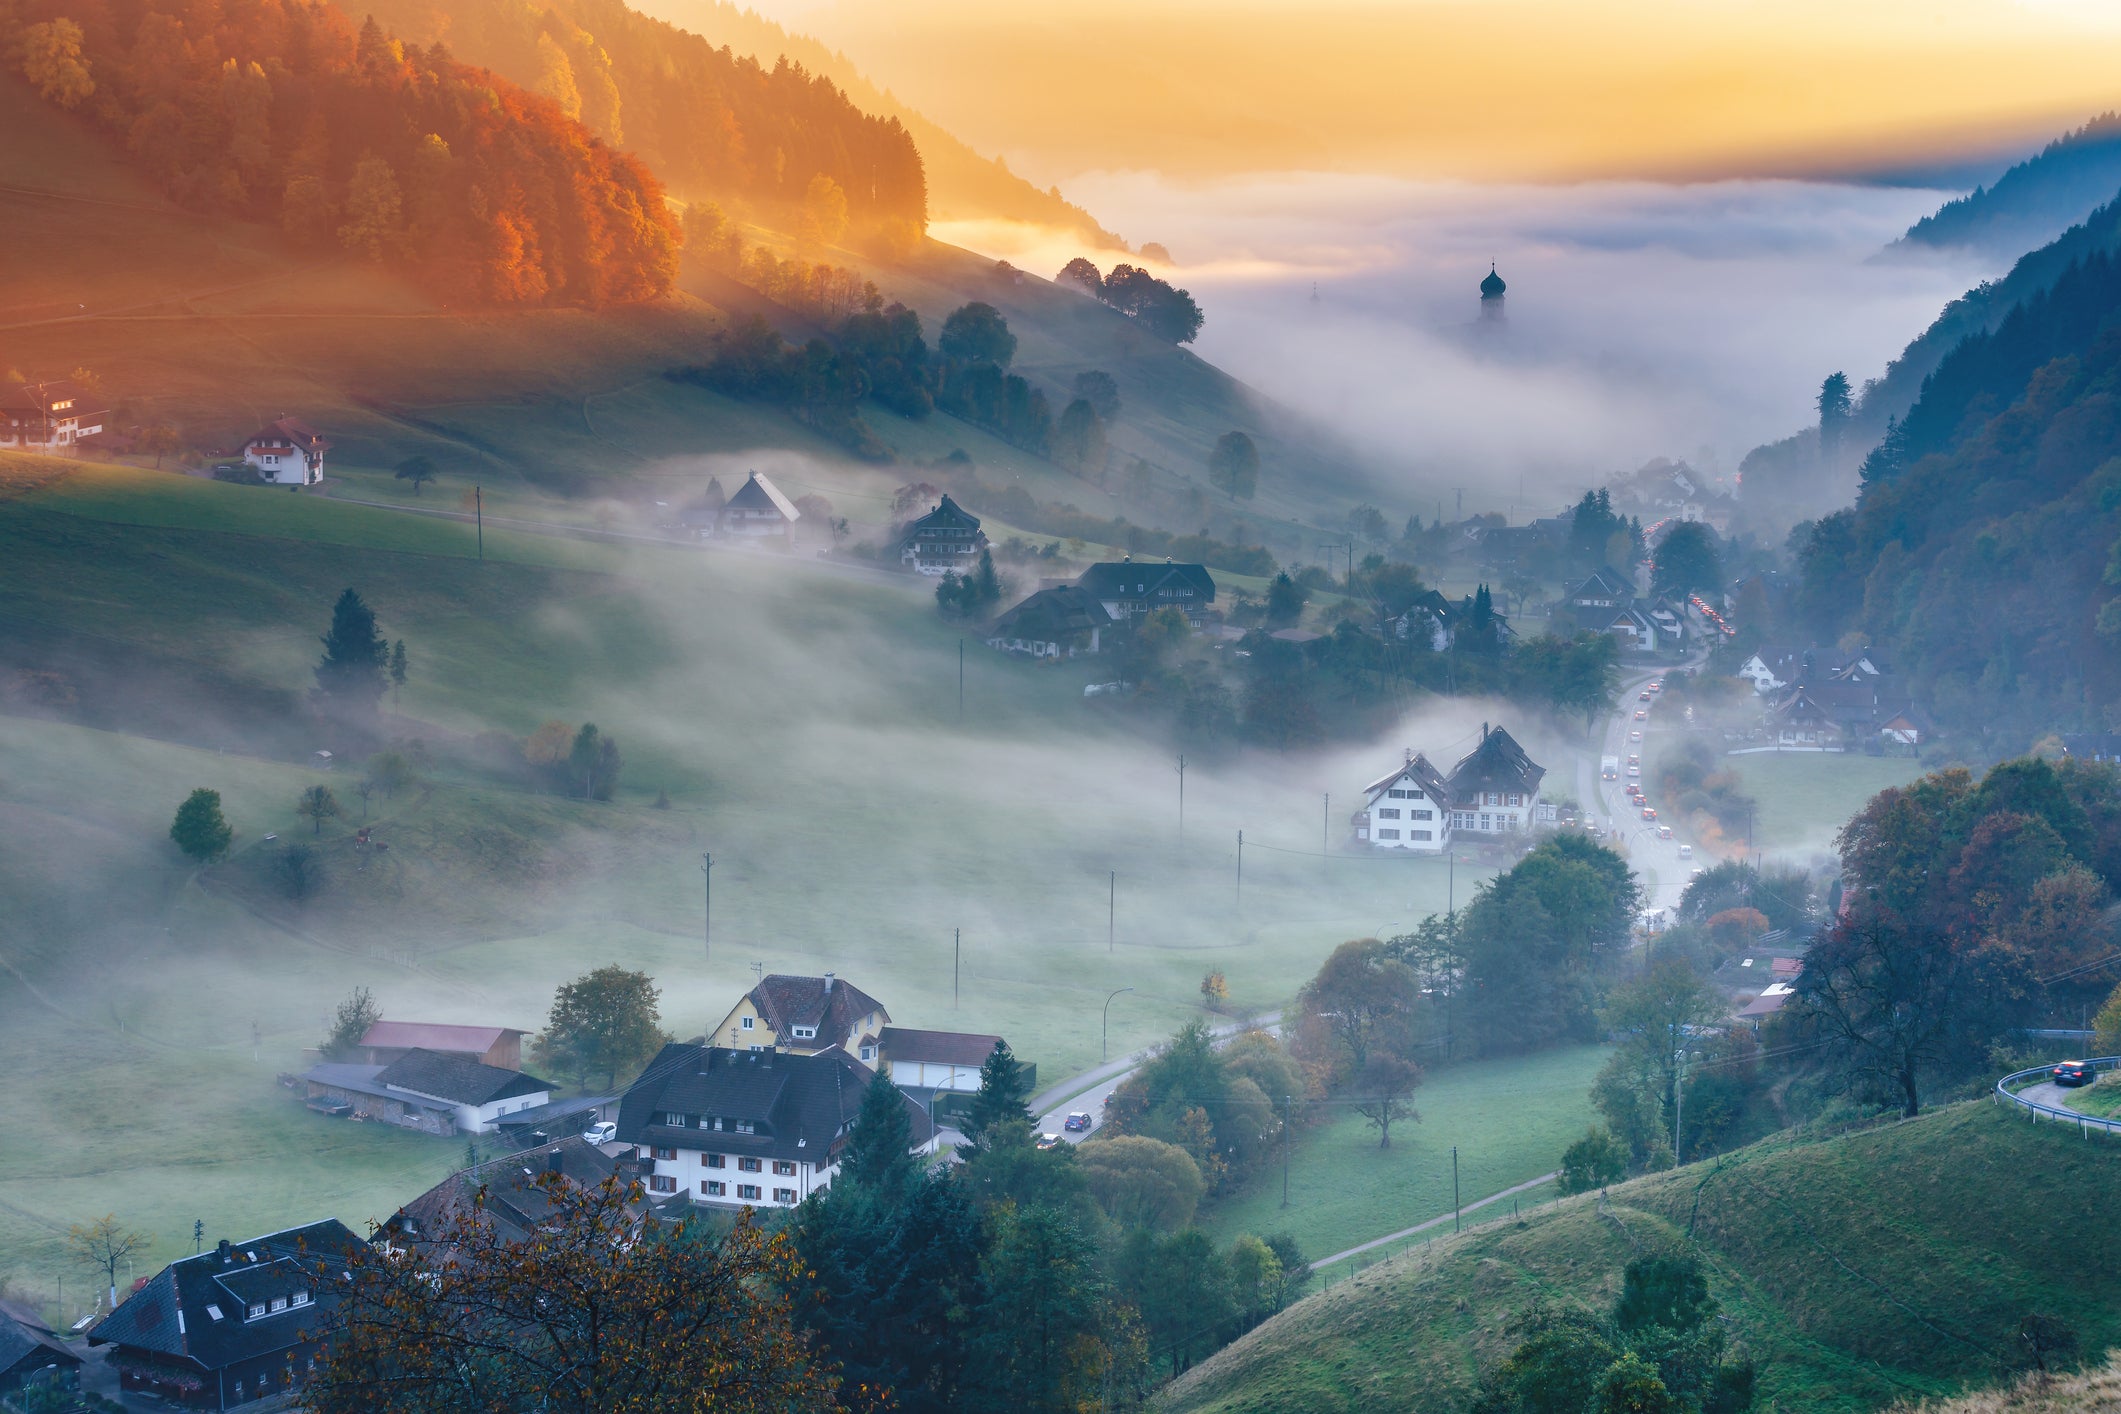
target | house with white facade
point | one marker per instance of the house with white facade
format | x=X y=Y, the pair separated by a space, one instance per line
x=947 y=538
x=758 y=511
x=1407 y=809
x=1059 y=621
x=427 y=1091
x=935 y=1060
x=47 y=417
x=1494 y=789
x=804 y=1015
x=732 y=1129
x=287 y=452
x=1131 y=589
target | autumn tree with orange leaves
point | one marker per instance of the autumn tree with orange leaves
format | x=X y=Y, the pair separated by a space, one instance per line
x=602 y=1311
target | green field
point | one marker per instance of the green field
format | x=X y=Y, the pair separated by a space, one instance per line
x=1805 y=797
x=1855 y=1271
x=1509 y=1119
x=802 y=719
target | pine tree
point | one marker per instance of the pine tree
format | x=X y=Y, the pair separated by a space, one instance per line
x=879 y=1158
x=199 y=828
x=998 y=1117
x=350 y=677
x=397 y=671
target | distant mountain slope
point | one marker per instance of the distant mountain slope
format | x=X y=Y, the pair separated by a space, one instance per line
x=1854 y=1272
x=2034 y=201
x=961 y=183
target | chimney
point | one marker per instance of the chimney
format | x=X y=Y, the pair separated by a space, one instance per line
x=553 y=1162
x=828 y=984
x=223 y=1253
x=1410 y=756
x=1483 y=733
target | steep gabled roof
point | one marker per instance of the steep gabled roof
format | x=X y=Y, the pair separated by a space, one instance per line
x=193 y=1308
x=1052 y=614
x=827 y=1003
x=947 y=515
x=453 y=1078
x=760 y=494
x=1605 y=582
x=1419 y=770
x=1145 y=579
x=26 y=1344
x=1498 y=763
x=514 y=1198
x=292 y=430
x=903 y=1043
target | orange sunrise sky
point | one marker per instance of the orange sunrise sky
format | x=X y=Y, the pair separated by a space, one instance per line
x=1517 y=89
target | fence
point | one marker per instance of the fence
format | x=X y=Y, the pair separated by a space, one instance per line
x=2084 y=1122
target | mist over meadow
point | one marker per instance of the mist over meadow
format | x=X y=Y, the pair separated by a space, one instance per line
x=1644 y=319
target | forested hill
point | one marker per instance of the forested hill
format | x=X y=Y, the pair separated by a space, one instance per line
x=961 y=183
x=726 y=106
x=281 y=111
x=2034 y=201
x=713 y=125
x=1981 y=554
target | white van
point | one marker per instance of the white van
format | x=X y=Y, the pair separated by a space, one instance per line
x=1686 y=851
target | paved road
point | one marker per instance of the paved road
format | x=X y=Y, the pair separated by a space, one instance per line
x=1664 y=872
x=2047 y=1092
x=1377 y=1242
x=1090 y=1089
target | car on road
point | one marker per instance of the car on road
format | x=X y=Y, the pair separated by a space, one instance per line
x=1049 y=1141
x=1686 y=851
x=1649 y=812
x=2073 y=1073
x=1078 y=1122
x=1642 y=714
x=1656 y=684
x=1634 y=759
x=1634 y=772
x=1664 y=832
x=1635 y=736
x=1643 y=696
x=602 y=1132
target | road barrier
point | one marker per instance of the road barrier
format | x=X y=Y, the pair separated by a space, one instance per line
x=2084 y=1122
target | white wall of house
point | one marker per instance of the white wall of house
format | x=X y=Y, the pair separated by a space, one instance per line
x=282 y=465
x=934 y=1075
x=781 y=1183
x=1495 y=813
x=1405 y=816
x=754 y=523
x=480 y=1119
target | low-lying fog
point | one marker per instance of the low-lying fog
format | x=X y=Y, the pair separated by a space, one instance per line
x=1643 y=319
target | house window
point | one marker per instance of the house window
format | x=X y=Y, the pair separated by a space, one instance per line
x=745 y=1126
x=676 y=1119
x=784 y=1195
x=300 y=1298
x=1487 y=822
x=1421 y=815
x=805 y=1033
x=662 y=1183
x=279 y=1304
x=1417 y=834
x=868 y=1053
x=1398 y=794
x=214 y=1311
x=745 y=1023
x=1388 y=834
x=713 y=1187
x=748 y=1192
x=714 y=1123
x=784 y=1168
x=748 y=1165
x=257 y=1309
x=1388 y=814
x=716 y=1161
x=666 y=1152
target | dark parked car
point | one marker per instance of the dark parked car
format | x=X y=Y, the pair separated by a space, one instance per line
x=2074 y=1072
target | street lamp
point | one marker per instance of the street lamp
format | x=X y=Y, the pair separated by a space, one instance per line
x=1104 y=1028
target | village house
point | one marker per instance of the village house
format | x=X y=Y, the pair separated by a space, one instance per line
x=1132 y=589
x=1494 y=789
x=704 y=512
x=1408 y=809
x=1428 y=619
x=804 y=1016
x=514 y=1193
x=1798 y=720
x=947 y=538
x=287 y=452
x=32 y=1356
x=386 y=1041
x=939 y=1070
x=732 y=1129
x=1061 y=621
x=758 y=511
x=47 y=417
x=234 y=1325
x=425 y=1090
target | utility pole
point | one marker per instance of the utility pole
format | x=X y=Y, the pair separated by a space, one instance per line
x=1111 y=910
x=707 y=907
x=1181 y=801
x=1678 y=1103
x=1454 y=1188
x=198 y=1236
x=1240 y=868
x=1325 y=833
x=961 y=681
x=1104 y=1028
x=478 y=510
x=1285 y=1151
x=957 y=939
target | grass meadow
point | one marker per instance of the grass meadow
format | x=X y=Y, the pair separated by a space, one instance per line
x=804 y=724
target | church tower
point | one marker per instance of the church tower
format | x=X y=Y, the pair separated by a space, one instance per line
x=1491 y=292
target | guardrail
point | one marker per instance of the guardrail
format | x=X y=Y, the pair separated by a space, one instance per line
x=2084 y=1122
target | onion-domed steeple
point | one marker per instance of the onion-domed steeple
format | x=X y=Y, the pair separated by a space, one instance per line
x=1491 y=291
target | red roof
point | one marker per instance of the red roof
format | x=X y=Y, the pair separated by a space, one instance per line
x=434 y=1036
x=903 y=1043
x=291 y=431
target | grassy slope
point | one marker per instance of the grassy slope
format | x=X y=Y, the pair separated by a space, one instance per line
x=2092 y=1391
x=1344 y=1189
x=1803 y=797
x=802 y=720
x=212 y=325
x=1857 y=1270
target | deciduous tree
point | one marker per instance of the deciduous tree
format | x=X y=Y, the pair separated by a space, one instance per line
x=603 y=1023
x=350 y=1022
x=1142 y=1182
x=1233 y=466
x=316 y=805
x=49 y=55
x=1380 y=1092
x=106 y=1245
x=199 y=829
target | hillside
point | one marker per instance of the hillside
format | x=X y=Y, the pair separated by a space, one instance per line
x=2036 y=200
x=1855 y=1271
x=2093 y=1391
x=2001 y=487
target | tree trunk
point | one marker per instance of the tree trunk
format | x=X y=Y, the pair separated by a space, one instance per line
x=1911 y=1105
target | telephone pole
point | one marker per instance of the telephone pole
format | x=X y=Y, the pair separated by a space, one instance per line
x=1454 y=1188
x=478 y=511
x=707 y=907
x=1285 y=1151
x=1181 y=801
x=1240 y=868
x=957 y=939
x=961 y=681
x=1111 y=910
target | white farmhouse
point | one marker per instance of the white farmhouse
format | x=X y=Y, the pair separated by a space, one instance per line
x=47 y=417
x=287 y=452
x=1494 y=789
x=758 y=511
x=1408 y=809
x=734 y=1129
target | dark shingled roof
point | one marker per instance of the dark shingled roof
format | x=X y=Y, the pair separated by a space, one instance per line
x=1145 y=580
x=1052 y=614
x=903 y=1043
x=27 y=1344
x=514 y=1200
x=170 y=1316
x=800 y=1106
x=1498 y=763
x=453 y=1078
x=947 y=515
x=1418 y=770
x=787 y=1002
